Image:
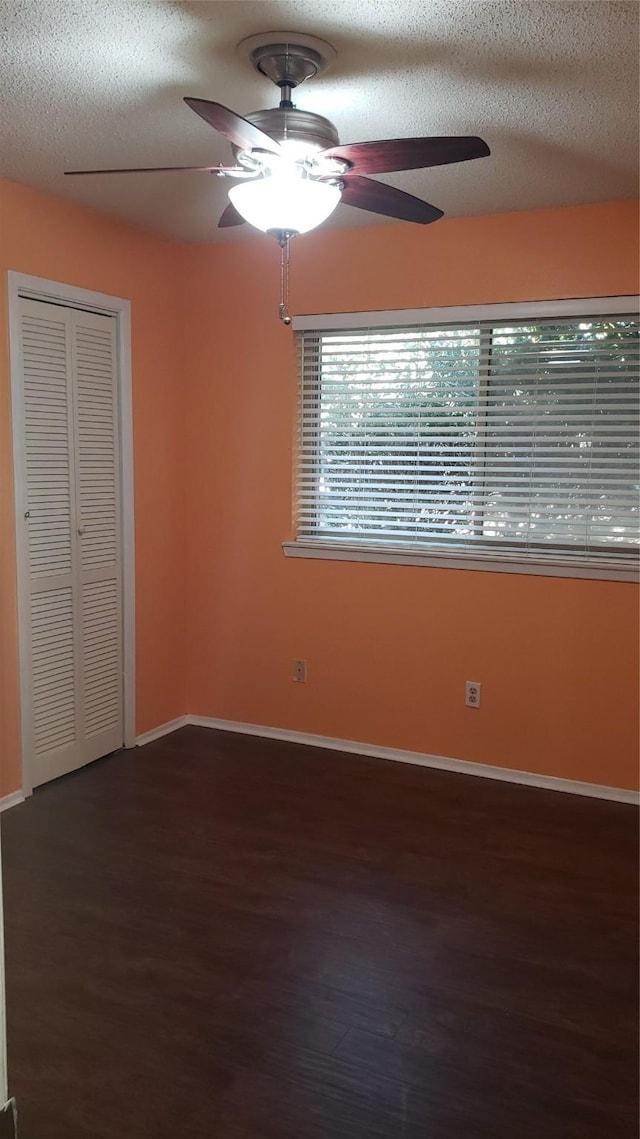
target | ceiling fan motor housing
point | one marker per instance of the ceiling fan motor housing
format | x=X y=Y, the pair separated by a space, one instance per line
x=294 y=125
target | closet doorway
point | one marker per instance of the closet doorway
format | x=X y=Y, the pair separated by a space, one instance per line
x=71 y=407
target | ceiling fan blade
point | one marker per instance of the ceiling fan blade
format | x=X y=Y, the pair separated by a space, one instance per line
x=163 y=170
x=380 y=199
x=230 y=216
x=240 y=132
x=385 y=155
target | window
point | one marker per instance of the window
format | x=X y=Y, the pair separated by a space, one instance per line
x=508 y=441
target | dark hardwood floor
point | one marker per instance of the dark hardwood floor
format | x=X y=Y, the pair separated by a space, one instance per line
x=222 y=937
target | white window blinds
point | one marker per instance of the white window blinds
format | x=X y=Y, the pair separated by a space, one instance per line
x=515 y=439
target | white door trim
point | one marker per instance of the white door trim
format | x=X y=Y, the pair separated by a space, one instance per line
x=39 y=289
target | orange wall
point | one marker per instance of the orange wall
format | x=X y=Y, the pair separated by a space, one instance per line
x=50 y=238
x=220 y=613
x=557 y=658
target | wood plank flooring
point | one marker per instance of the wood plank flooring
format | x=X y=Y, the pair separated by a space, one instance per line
x=222 y=937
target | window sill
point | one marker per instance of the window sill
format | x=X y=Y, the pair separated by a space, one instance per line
x=343 y=552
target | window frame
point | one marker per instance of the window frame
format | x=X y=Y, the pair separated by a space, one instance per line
x=400 y=553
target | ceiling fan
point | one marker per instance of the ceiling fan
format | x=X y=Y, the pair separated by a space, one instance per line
x=290 y=167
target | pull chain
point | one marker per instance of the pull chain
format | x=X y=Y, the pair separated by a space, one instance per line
x=283 y=309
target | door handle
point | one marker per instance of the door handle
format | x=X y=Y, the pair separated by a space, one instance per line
x=81 y=529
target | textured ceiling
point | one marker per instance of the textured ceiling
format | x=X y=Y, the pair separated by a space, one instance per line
x=550 y=84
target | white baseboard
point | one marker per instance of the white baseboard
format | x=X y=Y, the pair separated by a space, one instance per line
x=162 y=730
x=11 y=800
x=443 y=763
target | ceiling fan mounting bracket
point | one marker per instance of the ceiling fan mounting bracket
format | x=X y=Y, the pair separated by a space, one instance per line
x=287 y=58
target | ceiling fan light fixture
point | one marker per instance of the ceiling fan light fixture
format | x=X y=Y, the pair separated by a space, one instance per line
x=285 y=203
x=299 y=150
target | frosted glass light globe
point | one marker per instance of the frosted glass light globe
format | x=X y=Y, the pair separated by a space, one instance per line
x=285 y=201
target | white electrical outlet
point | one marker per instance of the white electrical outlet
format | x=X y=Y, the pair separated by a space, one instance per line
x=299 y=673
x=472 y=693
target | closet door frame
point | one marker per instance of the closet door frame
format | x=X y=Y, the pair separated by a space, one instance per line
x=20 y=285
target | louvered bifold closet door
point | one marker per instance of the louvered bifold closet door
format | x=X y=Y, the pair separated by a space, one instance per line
x=98 y=530
x=49 y=647
x=71 y=621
